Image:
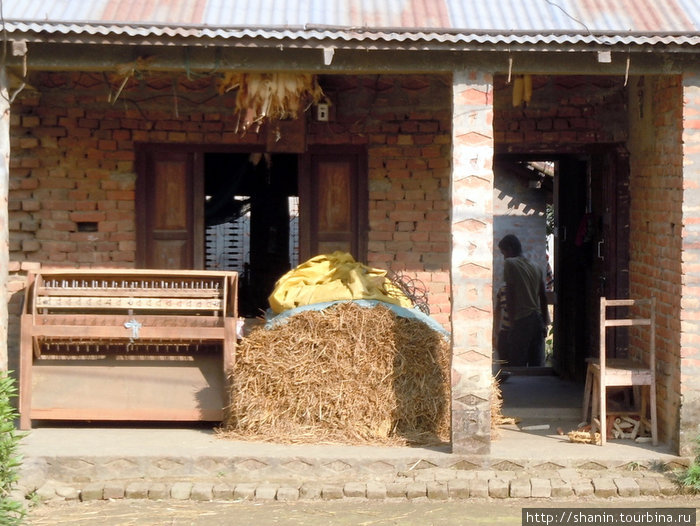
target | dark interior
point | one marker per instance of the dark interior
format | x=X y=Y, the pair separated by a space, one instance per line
x=262 y=184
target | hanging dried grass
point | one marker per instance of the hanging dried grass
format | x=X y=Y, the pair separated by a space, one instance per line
x=348 y=374
x=276 y=96
x=127 y=71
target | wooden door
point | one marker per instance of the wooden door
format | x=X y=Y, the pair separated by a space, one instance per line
x=333 y=203
x=592 y=250
x=611 y=200
x=610 y=258
x=571 y=266
x=169 y=202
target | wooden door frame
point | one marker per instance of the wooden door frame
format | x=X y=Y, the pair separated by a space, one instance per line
x=144 y=153
x=307 y=193
x=615 y=196
x=611 y=267
x=570 y=201
x=617 y=246
x=144 y=158
x=608 y=271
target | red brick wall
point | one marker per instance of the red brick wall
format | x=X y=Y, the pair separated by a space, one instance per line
x=690 y=291
x=563 y=111
x=406 y=124
x=656 y=222
x=73 y=161
x=568 y=112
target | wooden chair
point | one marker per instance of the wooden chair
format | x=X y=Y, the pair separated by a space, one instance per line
x=638 y=372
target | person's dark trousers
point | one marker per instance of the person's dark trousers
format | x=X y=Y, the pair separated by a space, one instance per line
x=526 y=342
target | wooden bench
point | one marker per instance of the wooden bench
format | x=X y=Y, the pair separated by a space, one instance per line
x=131 y=345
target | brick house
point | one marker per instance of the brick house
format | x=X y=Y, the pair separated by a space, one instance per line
x=424 y=136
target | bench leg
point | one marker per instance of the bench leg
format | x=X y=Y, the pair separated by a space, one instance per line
x=26 y=359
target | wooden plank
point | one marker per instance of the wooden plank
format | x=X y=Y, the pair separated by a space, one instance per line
x=629 y=322
x=145 y=292
x=108 y=332
x=625 y=363
x=97 y=302
x=128 y=390
x=618 y=377
x=162 y=350
x=26 y=357
x=116 y=319
x=111 y=272
x=132 y=414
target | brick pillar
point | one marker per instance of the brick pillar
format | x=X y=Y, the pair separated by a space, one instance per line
x=690 y=306
x=472 y=260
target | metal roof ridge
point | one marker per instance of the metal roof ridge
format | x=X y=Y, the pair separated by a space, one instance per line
x=353 y=29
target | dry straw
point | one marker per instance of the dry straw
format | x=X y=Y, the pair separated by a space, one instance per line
x=497 y=417
x=276 y=96
x=348 y=374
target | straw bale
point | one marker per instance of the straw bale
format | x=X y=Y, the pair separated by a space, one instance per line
x=347 y=374
x=497 y=417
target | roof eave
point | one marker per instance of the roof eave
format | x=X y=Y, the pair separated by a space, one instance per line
x=359 y=38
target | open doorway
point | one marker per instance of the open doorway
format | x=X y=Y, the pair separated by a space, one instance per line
x=251 y=215
x=524 y=207
x=570 y=211
x=201 y=206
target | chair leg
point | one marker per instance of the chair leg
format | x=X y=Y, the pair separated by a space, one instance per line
x=603 y=411
x=652 y=410
x=587 y=394
x=595 y=403
x=642 y=397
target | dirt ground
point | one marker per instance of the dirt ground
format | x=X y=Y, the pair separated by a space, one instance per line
x=319 y=513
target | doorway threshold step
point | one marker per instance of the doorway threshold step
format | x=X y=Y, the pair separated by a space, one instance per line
x=530 y=371
x=544 y=414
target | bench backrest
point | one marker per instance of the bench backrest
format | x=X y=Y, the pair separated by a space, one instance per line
x=123 y=291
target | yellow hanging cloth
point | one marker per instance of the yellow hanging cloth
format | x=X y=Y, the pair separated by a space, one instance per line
x=333 y=277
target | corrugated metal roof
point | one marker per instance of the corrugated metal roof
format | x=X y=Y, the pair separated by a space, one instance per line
x=642 y=22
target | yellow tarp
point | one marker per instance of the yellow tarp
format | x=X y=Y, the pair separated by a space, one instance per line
x=333 y=277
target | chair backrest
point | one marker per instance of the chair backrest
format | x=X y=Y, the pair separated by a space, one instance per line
x=606 y=321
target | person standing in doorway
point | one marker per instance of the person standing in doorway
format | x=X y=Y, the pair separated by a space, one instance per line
x=526 y=305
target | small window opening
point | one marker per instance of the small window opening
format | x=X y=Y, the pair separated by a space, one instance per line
x=86 y=226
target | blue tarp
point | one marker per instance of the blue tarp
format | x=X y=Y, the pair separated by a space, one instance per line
x=272 y=320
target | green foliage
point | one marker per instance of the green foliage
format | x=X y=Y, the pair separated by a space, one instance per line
x=550 y=220
x=11 y=511
x=691 y=477
x=549 y=346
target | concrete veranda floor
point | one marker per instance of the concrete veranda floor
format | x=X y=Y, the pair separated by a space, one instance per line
x=85 y=452
x=513 y=445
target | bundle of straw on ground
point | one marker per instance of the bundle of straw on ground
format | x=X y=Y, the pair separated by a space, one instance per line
x=347 y=374
x=497 y=418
